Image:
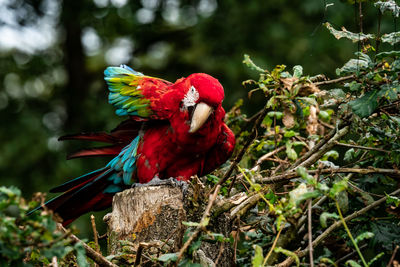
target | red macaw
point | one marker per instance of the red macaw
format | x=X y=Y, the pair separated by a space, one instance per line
x=174 y=130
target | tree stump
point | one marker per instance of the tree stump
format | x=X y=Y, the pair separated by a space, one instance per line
x=144 y=214
x=154 y=215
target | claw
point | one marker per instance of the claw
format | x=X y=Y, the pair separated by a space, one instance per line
x=156 y=181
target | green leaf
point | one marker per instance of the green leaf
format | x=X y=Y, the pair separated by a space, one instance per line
x=168 y=257
x=353 y=66
x=342 y=199
x=249 y=63
x=289 y=134
x=191 y=224
x=389 y=92
x=308 y=195
x=304 y=174
x=365 y=235
x=331 y=154
x=386 y=233
x=391 y=38
x=375 y=258
x=194 y=246
x=349 y=155
x=392 y=54
x=288 y=253
x=337 y=93
x=297 y=71
x=290 y=152
x=81 y=255
x=325 y=216
x=353 y=263
x=392 y=200
x=323 y=115
x=276 y=114
x=354 y=86
x=338 y=187
x=354 y=37
x=390 y=6
x=258 y=258
x=365 y=105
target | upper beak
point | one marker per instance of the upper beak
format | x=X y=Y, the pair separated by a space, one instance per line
x=200 y=115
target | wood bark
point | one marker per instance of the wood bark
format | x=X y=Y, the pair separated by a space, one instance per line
x=144 y=214
x=150 y=219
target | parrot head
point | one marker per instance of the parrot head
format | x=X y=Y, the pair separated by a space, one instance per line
x=203 y=96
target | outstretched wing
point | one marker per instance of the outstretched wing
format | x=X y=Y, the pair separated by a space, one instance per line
x=135 y=94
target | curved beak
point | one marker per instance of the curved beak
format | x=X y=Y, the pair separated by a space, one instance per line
x=200 y=115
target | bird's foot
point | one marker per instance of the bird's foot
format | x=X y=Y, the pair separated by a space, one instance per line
x=156 y=181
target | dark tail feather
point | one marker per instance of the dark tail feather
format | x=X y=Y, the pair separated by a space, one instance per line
x=97 y=137
x=81 y=195
x=97 y=152
x=88 y=197
x=78 y=182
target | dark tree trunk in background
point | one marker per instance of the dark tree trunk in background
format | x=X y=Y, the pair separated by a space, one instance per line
x=74 y=62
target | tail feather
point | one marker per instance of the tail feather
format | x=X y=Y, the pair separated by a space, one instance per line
x=93 y=191
x=97 y=137
x=81 y=195
x=97 y=152
x=78 y=182
x=87 y=197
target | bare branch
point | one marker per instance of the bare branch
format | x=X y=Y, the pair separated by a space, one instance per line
x=203 y=222
x=310 y=245
x=362 y=147
x=338 y=80
x=293 y=174
x=328 y=138
x=91 y=253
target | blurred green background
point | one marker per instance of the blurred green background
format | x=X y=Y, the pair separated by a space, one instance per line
x=53 y=53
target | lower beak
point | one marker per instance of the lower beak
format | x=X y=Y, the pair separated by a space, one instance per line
x=200 y=115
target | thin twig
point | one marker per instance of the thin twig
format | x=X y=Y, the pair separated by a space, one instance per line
x=393 y=255
x=362 y=147
x=257 y=166
x=350 y=235
x=293 y=174
x=240 y=155
x=54 y=262
x=96 y=236
x=91 y=253
x=138 y=255
x=236 y=239
x=310 y=245
x=321 y=143
x=273 y=245
x=203 y=222
x=350 y=254
x=337 y=224
x=338 y=80
x=325 y=148
x=221 y=250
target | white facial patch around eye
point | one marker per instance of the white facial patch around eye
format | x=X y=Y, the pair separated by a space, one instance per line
x=190 y=98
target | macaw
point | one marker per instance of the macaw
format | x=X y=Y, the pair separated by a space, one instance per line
x=173 y=130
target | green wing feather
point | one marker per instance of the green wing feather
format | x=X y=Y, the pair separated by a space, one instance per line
x=125 y=94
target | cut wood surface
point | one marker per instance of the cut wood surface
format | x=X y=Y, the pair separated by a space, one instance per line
x=143 y=214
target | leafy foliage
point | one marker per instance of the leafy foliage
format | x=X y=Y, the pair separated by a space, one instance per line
x=33 y=240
